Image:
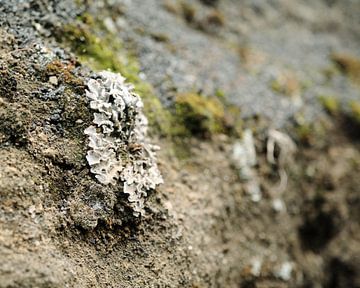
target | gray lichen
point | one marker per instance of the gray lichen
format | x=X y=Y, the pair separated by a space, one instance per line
x=120 y=152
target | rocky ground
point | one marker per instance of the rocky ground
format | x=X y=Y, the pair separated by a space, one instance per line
x=256 y=109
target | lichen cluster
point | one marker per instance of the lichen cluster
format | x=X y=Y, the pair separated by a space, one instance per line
x=120 y=152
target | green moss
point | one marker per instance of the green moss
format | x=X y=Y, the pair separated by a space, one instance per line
x=220 y=94
x=330 y=104
x=100 y=53
x=310 y=134
x=355 y=110
x=101 y=50
x=276 y=86
x=197 y=115
x=304 y=133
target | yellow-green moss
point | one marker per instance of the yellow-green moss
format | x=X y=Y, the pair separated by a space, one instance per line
x=220 y=94
x=198 y=115
x=355 y=110
x=330 y=104
x=201 y=116
x=98 y=52
x=304 y=132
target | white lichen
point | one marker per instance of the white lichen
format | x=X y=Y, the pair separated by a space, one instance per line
x=255 y=266
x=284 y=271
x=120 y=152
x=244 y=159
x=244 y=155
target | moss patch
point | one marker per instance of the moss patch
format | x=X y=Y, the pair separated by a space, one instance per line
x=355 y=110
x=200 y=116
x=330 y=104
x=191 y=115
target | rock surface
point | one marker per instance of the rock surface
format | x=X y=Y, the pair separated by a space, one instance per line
x=287 y=65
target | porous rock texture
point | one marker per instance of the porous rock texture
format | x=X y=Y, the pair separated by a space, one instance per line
x=61 y=227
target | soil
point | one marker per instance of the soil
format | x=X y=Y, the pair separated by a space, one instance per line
x=202 y=228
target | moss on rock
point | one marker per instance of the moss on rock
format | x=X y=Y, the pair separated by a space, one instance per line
x=197 y=115
x=192 y=114
x=330 y=104
x=101 y=50
x=355 y=111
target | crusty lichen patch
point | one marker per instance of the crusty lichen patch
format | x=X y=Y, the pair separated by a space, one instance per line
x=119 y=148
